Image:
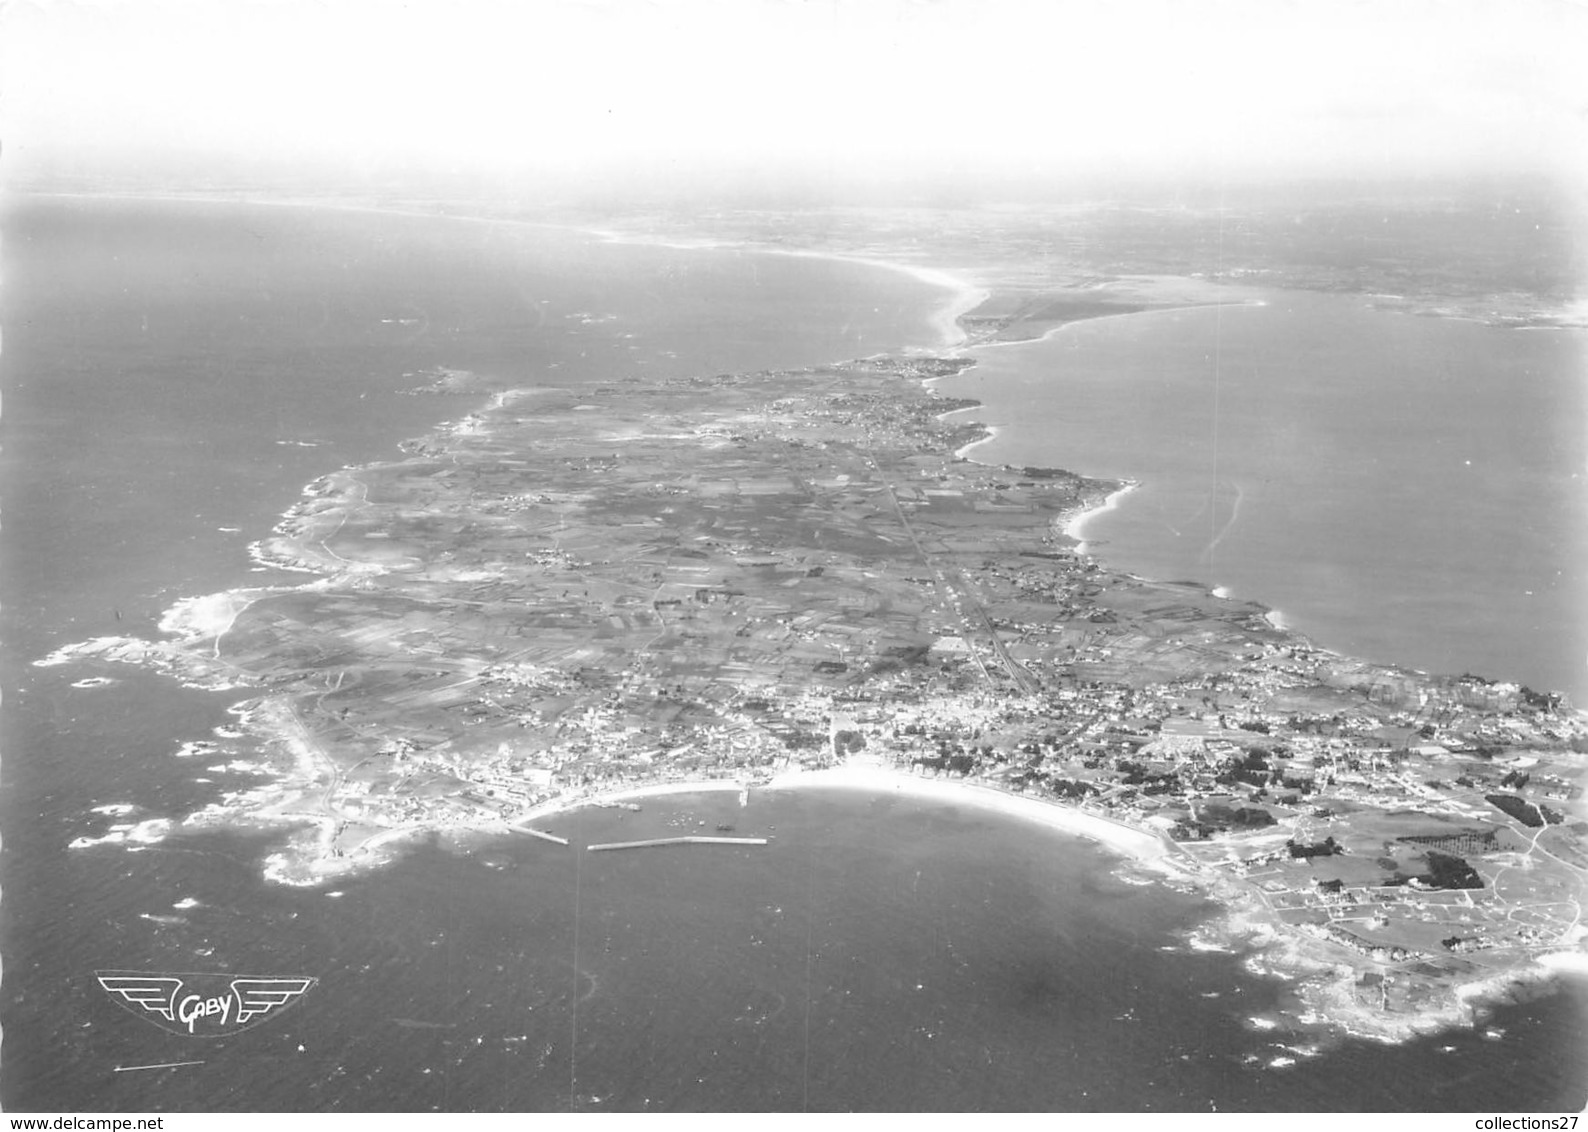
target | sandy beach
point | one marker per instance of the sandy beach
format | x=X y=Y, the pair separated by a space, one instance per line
x=878 y=779
x=867 y=777
x=1077 y=524
x=964 y=453
x=964 y=297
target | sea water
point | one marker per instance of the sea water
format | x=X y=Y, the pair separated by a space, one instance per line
x=1408 y=490
x=173 y=374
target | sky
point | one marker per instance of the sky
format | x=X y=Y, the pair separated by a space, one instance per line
x=887 y=91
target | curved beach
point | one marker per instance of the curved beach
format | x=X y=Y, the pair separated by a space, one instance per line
x=876 y=779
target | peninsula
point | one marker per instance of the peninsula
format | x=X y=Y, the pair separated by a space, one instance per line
x=580 y=594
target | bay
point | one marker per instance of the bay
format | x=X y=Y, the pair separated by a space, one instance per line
x=1407 y=490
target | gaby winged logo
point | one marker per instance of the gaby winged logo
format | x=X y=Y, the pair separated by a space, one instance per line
x=202 y=1005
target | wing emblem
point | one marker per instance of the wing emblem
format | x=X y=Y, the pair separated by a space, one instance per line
x=202 y=1004
x=258 y=997
x=154 y=994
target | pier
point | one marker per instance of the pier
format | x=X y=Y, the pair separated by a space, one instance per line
x=677 y=841
x=552 y=837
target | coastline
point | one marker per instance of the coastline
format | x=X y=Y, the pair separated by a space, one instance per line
x=1361 y=603
x=1221 y=304
x=1076 y=525
x=964 y=452
x=212 y=615
x=964 y=297
x=310 y=861
x=565 y=805
x=1325 y=987
x=874 y=778
x=877 y=778
x=1326 y=1000
x=194 y=625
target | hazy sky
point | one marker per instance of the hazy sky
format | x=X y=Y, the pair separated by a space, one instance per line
x=914 y=89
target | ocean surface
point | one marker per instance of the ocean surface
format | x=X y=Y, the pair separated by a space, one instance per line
x=1408 y=490
x=173 y=373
